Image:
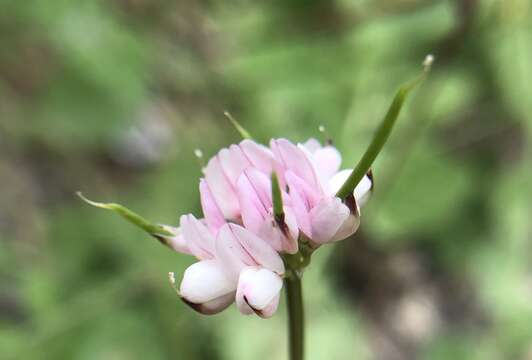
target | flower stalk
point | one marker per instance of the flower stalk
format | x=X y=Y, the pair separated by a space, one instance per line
x=296 y=264
x=296 y=316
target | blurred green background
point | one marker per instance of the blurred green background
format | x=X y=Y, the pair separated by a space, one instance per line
x=112 y=97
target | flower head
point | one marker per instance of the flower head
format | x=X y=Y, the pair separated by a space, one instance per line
x=241 y=239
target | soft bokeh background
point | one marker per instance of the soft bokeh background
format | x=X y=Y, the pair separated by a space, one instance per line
x=112 y=97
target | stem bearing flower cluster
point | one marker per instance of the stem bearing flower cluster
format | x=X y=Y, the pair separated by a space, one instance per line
x=266 y=210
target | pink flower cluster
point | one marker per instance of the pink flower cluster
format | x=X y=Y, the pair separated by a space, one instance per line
x=240 y=241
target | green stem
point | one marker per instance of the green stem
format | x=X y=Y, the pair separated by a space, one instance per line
x=294 y=297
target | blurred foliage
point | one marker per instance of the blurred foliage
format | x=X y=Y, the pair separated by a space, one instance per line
x=111 y=97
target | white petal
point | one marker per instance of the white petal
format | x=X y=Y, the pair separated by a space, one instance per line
x=362 y=190
x=336 y=182
x=312 y=145
x=327 y=161
x=205 y=281
x=258 y=288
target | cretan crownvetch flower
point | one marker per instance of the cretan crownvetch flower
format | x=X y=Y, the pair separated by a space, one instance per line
x=241 y=239
x=266 y=209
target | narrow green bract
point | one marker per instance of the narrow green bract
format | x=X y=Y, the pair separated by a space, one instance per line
x=243 y=132
x=277 y=198
x=382 y=133
x=132 y=217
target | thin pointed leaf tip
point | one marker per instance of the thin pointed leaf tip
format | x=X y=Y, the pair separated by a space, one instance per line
x=241 y=130
x=383 y=131
x=132 y=217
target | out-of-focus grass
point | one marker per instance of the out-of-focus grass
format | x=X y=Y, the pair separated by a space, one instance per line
x=112 y=97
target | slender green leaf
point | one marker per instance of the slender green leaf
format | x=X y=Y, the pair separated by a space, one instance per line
x=383 y=132
x=132 y=217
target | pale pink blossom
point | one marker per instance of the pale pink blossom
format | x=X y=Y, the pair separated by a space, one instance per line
x=210 y=285
x=240 y=241
x=310 y=172
x=224 y=169
x=255 y=198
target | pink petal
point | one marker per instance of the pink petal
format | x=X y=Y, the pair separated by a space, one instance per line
x=199 y=239
x=327 y=218
x=233 y=162
x=231 y=253
x=254 y=194
x=253 y=213
x=243 y=306
x=290 y=244
x=261 y=184
x=281 y=238
x=311 y=195
x=258 y=289
x=290 y=157
x=302 y=199
x=176 y=241
x=348 y=228
x=214 y=306
x=261 y=252
x=211 y=211
x=259 y=155
x=206 y=288
x=221 y=189
x=254 y=210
